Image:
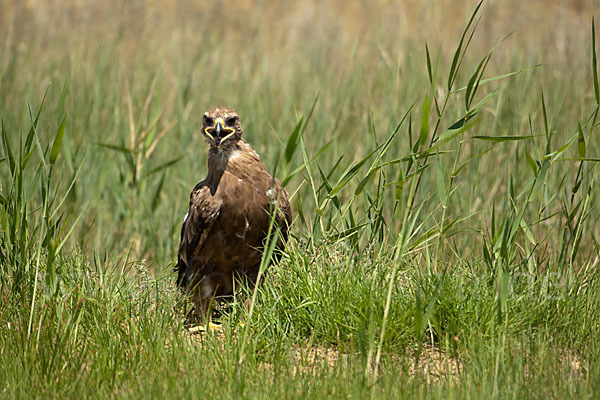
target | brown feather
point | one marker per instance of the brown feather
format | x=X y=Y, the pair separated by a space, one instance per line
x=222 y=236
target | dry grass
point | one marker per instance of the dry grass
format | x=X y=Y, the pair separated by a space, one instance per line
x=164 y=30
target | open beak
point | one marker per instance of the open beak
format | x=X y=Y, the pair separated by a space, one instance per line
x=219 y=132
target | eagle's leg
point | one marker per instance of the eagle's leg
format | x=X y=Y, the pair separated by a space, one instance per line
x=201 y=294
x=212 y=285
x=203 y=310
x=202 y=307
x=246 y=279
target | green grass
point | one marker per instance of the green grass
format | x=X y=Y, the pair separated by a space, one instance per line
x=445 y=241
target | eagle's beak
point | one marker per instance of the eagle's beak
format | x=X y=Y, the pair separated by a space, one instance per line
x=216 y=132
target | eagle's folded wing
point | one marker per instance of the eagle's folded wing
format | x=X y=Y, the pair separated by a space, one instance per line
x=203 y=212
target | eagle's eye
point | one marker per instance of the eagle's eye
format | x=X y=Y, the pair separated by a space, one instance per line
x=208 y=121
x=231 y=121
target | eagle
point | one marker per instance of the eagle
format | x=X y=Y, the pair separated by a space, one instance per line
x=230 y=212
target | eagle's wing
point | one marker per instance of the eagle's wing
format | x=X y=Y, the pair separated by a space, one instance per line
x=203 y=212
x=284 y=211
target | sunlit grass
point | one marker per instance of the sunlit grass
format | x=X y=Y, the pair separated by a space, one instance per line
x=445 y=239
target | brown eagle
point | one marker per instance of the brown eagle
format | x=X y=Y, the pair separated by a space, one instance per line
x=224 y=231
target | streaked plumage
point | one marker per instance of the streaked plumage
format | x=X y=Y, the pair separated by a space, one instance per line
x=224 y=230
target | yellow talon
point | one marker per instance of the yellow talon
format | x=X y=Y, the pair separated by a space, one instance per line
x=196 y=329
x=215 y=327
x=202 y=328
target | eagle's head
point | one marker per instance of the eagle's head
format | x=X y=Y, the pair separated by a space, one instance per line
x=221 y=127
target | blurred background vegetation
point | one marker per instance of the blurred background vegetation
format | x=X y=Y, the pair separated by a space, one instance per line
x=136 y=75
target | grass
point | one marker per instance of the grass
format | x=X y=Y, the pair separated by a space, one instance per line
x=445 y=241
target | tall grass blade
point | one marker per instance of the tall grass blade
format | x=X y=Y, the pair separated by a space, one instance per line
x=595 y=64
x=424 y=132
x=581 y=148
x=457 y=53
x=7 y=150
x=351 y=173
x=292 y=144
x=322 y=150
x=500 y=139
x=58 y=138
x=156 y=197
x=429 y=73
x=499 y=77
x=34 y=124
x=440 y=181
x=164 y=166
